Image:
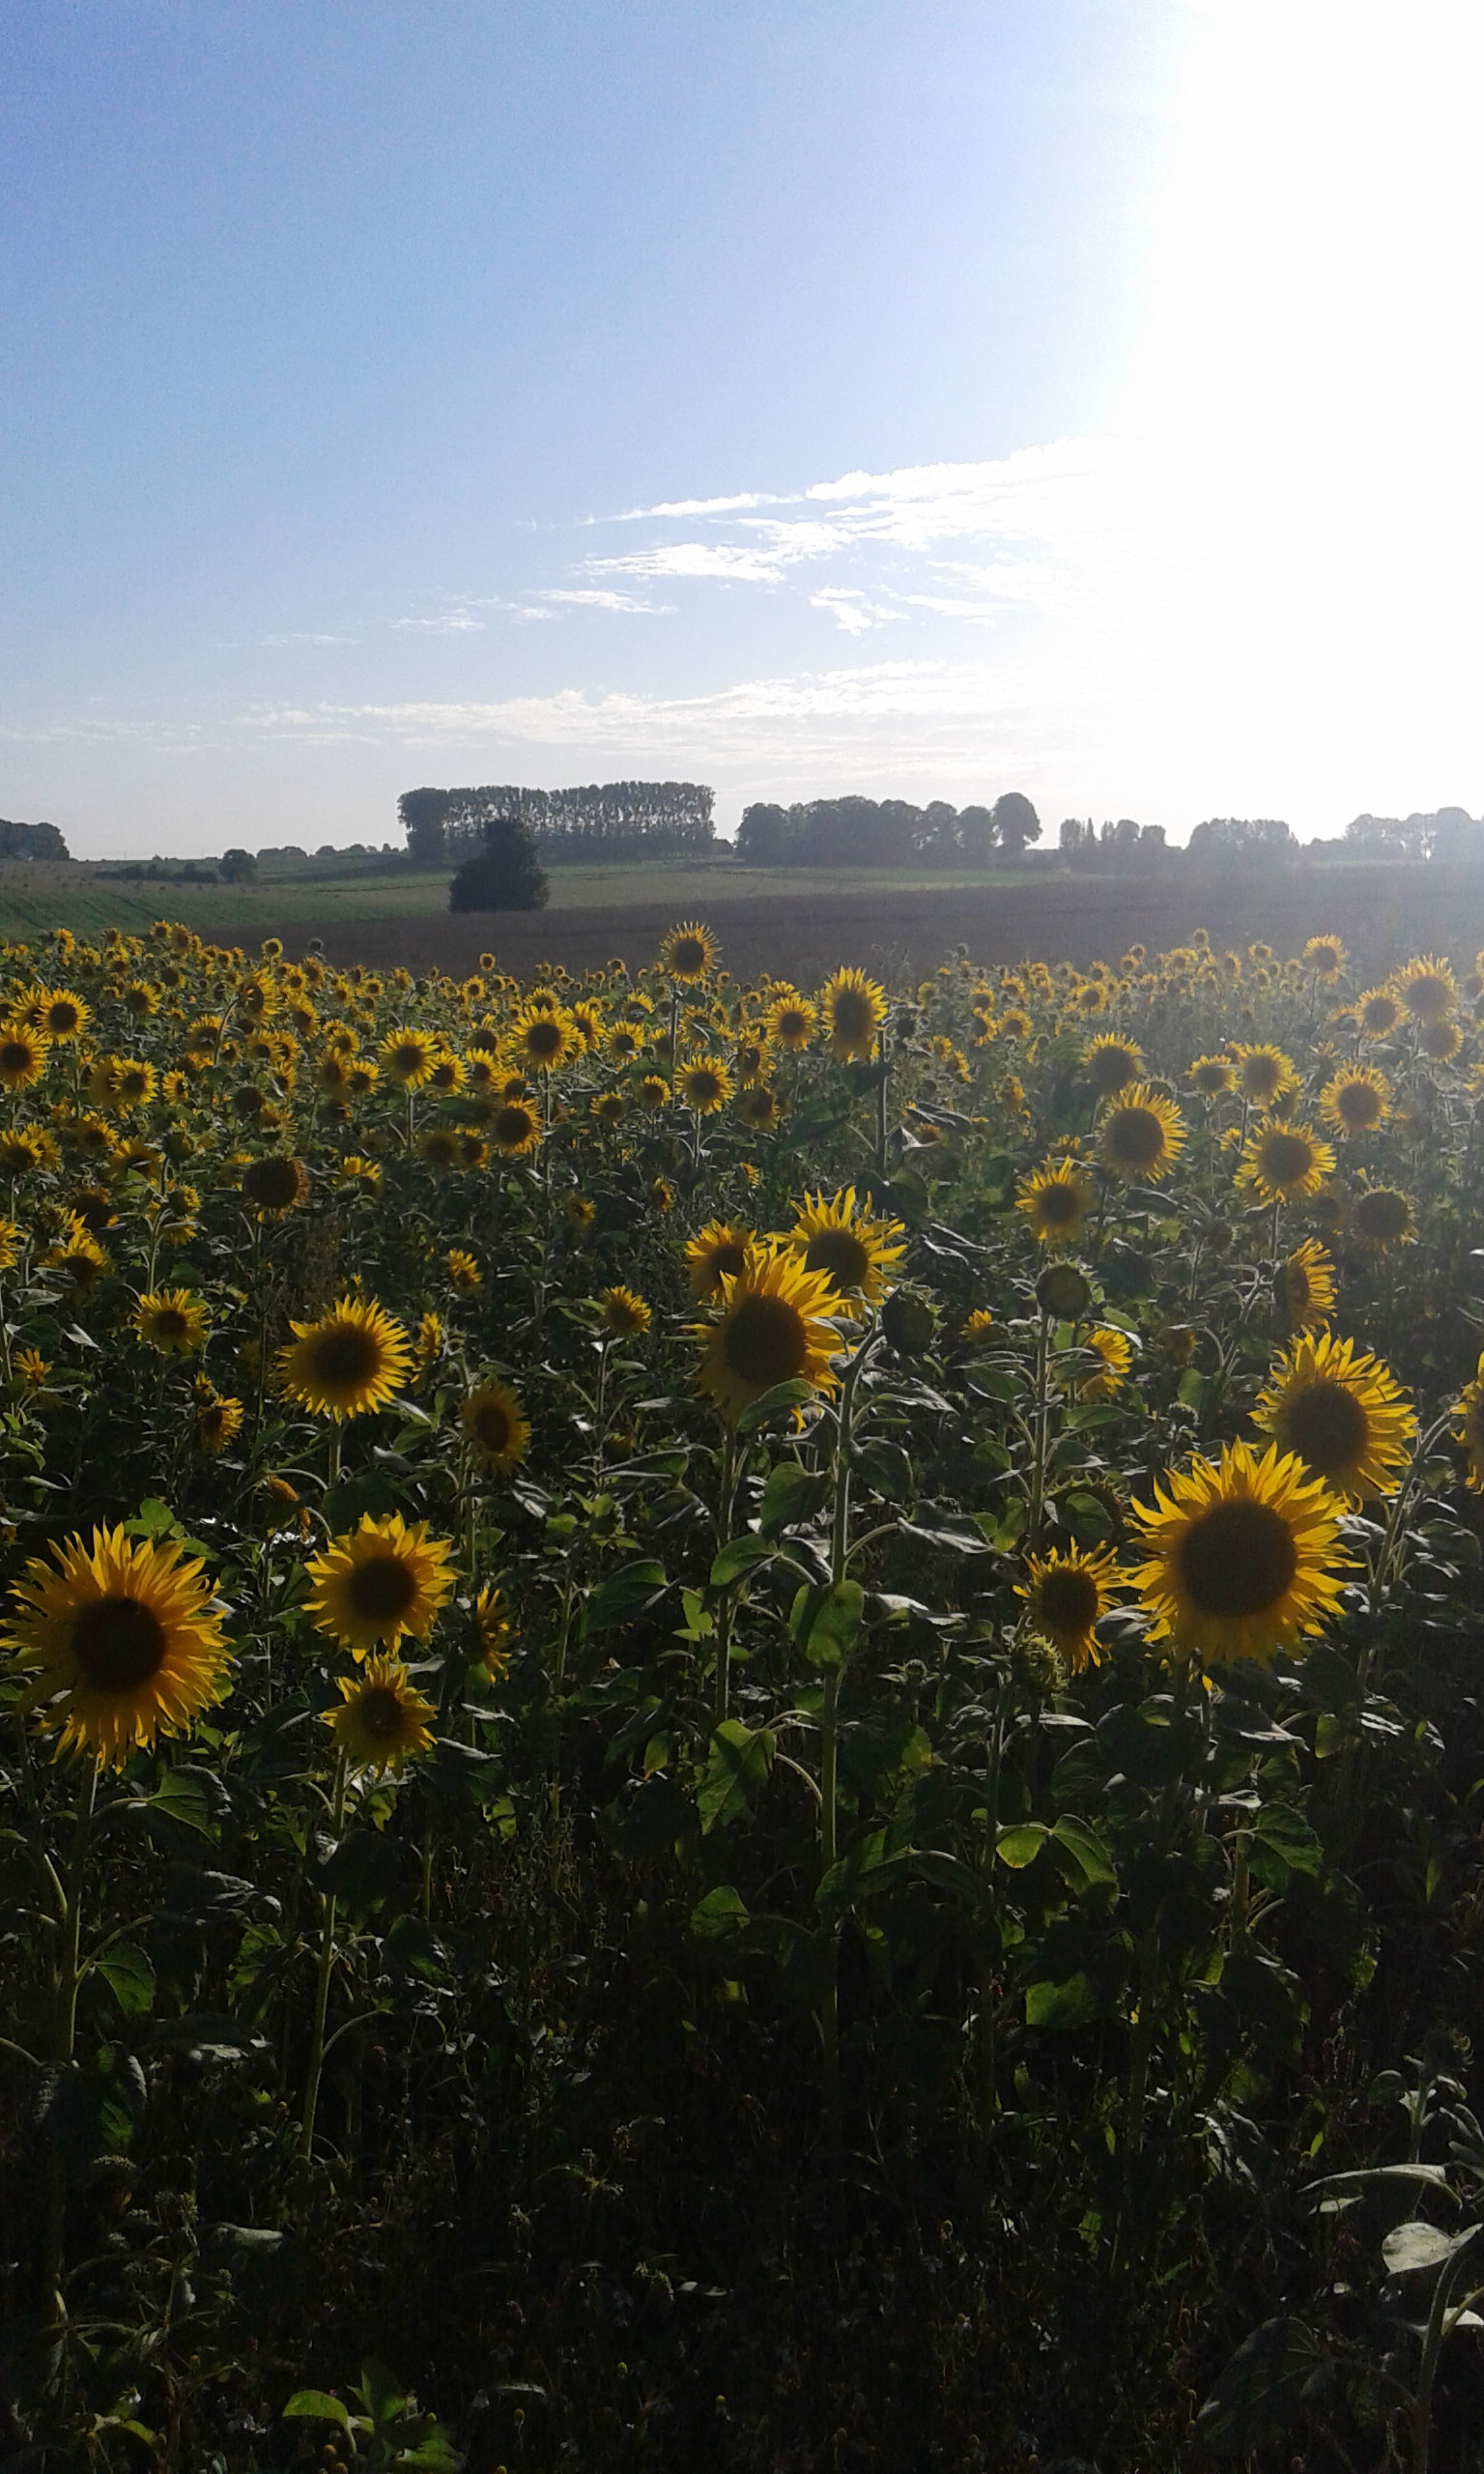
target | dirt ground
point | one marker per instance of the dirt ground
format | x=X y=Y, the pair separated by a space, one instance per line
x=1382 y=914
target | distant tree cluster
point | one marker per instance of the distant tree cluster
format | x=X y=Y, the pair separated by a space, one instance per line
x=605 y=821
x=506 y=874
x=1260 y=841
x=31 y=840
x=1126 y=844
x=885 y=833
x=1446 y=833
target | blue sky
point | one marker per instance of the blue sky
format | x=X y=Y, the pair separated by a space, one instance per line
x=1070 y=395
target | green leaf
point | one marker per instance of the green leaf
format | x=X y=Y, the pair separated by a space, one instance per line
x=1072 y=2004
x=1259 y=2392
x=1084 y=1859
x=315 y=2406
x=722 y=1911
x=1418 y=2245
x=625 y=1594
x=208 y=2036
x=784 y=1396
x=181 y=1797
x=791 y=1495
x=1020 y=1846
x=736 y=1771
x=825 y=1621
x=737 y=1557
x=130 y=1978
x=1286 y=1835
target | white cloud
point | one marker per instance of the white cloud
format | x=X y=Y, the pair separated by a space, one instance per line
x=303 y=636
x=849 y=610
x=624 y=603
x=461 y=621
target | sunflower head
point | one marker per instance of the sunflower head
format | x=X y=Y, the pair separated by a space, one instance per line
x=172 y=1321
x=276 y=1184
x=1468 y=1409
x=218 y=1421
x=352 y=1359
x=1211 y=1076
x=703 y=1086
x=1056 y=1201
x=386 y=1578
x=407 y=1056
x=515 y=1128
x=688 y=953
x=716 y=1252
x=1284 y=1160
x=1326 y=957
x=790 y=1022
x=494 y=1427
x=772 y=1328
x=120 y=1640
x=1241 y=1556
x=1065 y=1597
x=1343 y=1414
x=1355 y=1100
x=1305 y=1289
x=854 y=1251
x=382 y=1720
x=464 y=1273
x=1427 y=988
x=1380 y=1220
x=1114 y=1352
x=1264 y=1075
x=625 y=1314
x=759 y=1109
x=1140 y=1134
x=854 y=1009
x=1380 y=1011
x=23 y=1054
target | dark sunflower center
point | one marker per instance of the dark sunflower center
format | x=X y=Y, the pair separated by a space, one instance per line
x=688 y=956
x=765 y=1341
x=407 y=1058
x=855 y=1016
x=1378 y=1016
x=1112 y=1068
x=1136 y=1137
x=345 y=1354
x=15 y=1055
x=1260 y=1079
x=1210 y=1079
x=1382 y=1214
x=272 y=1184
x=1059 y=1204
x=512 y=1126
x=544 y=1039
x=61 y=1020
x=381 y=1589
x=1236 y=1559
x=118 y=1642
x=1066 y=1600
x=1286 y=1159
x=1358 y=1105
x=701 y=1085
x=1327 y=1427
x=793 y=1026
x=839 y=1255
x=725 y=1260
x=492 y=1426
x=380 y=1712
x=171 y=1324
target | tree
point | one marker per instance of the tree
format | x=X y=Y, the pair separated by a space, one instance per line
x=238 y=867
x=31 y=840
x=506 y=875
x=975 y=835
x=1253 y=838
x=765 y=836
x=422 y=814
x=1016 y=822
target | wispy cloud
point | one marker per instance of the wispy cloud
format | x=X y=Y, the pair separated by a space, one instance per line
x=592 y=598
x=304 y=636
x=459 y=621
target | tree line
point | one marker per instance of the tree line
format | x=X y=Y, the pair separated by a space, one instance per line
x=31 y=840
x=884 y=833
x=601 y=821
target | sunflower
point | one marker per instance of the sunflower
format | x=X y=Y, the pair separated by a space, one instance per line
x=172 y=1321
x=78 y=1254
x=357 y=1172
x=760 y=1109
x=1355 y=1100
x=851 y=1250
x=625 y=1314
x=853 y=1008
x=408 y=1055
x=1380 y=1012
x=360 y=1077
x=1114 y=1352
x=350 y=1360
x=1304 y=1288
x=430 y=1341
x=276 y=1184
x=1066 y=1595
x=1440 y=1041
x=579 y=1212
x=1264 y=1075
x=492 y=1629
x=1056 y=1201
x=608 y=1106
x=704 y=1086
x=688 y=952
x=133 y=1081
x=1283 y=1161
x=438 y=1147
x=544 y=1039
x=447 y=1077
x=1141 y=1134
x=1342 y=1412
x=494 y=1427
x=1111 y=1063
x=31 y=1369
x=1427 y=988
x=1243 y=1557
x=1326 y=956
x=385 y=1578
x=1468 y=1409
x=515 y=1128
x=1380 y=1219
x=381 y=1720
x=120 y=1641
x=624 y=1044
x=464 y=1273
x=1212 y=1076
x=218 y=1421
x=24 y=1149
x=59 y=1014
x=771 y=1330
x=790 y=1022
x=716 y=1252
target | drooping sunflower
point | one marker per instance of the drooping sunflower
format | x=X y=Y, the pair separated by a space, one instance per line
x=1111 y=1064
x=1264 y=1074
x=26 y=1148
x=771 y=1329
x=1305 y=1286
x=1243 y=1557
x=23 y=1054
x=1342 y=1412
x=383 y=1718
x=430 y=1341
x=1284 y=1160
x=1468 y=1409
x=1114 y=1351
x=515 y=1128
x=1056 y=1201
x=1141 y=1134
x=1326 y=957
x=464 y=1273
x=440 y=1148
x=172 y=1321
x=542 y=1040
x=1427 y=988
x=704 y=1086
x=625 y=1314
x=78 y=1254
x=121 y=1640
x=406 y=1055
x=1355 y=1101
x=218 y=1421
x=494 y=1427
x=791 y=1021
x=759 y=1109
x=854 y=1009
x=386 y=1578
x=688 y=952
x=849 y=1246
x=1380 y=1012
x=716 y=1252
x=1380 y=1219
x=31 y=1369
x=352 y=1359
x=1066 y=1595
x=276 y=1184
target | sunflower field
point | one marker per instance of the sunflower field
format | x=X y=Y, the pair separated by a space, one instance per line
x=741 y=1727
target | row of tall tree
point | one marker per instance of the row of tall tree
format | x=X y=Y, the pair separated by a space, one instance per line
x=1124 y=844
x=884 y=833
x=1441 y=833
x=603 y=820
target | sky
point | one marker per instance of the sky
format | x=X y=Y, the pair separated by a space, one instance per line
x=922 y=399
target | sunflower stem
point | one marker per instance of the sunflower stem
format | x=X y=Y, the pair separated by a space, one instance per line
x=63 y=2038
x=326 y=1968
x=726 y=1506
x=881 y=1110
